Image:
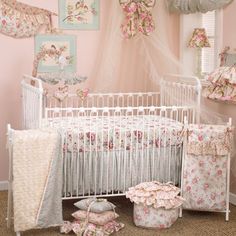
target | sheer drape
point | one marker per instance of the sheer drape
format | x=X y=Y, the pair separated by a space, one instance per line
x=131 y=64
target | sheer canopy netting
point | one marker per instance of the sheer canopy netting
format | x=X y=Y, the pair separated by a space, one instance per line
x=137 y=64
x=130 y=64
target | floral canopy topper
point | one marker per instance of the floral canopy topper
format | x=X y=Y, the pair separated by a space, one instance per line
x=138 y=17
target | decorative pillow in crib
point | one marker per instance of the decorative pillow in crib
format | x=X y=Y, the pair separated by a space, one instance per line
x=95 y=218
x=95 y=205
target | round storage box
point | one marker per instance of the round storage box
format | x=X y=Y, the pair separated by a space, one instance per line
x=156 y=205
x=150 y=217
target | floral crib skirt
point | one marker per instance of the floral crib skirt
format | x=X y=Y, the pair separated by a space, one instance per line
x=205 y=167
x=150 y=217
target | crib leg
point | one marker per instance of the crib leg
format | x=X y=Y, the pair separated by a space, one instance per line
x=10 y=180
x=9 y=206
x=180 y=212
x=227 y=189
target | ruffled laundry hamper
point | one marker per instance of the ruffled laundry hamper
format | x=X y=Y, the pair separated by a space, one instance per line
x=156 y=205
x=206 y=168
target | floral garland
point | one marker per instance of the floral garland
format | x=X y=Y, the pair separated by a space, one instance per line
x=20 y=20
x=138 y=17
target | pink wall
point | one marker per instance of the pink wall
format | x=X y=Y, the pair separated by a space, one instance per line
x=16 y=58
x=229 y=32
x=229 y=39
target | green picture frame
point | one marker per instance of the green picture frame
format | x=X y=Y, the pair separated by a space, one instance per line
x=51 y=64
x=79 y=14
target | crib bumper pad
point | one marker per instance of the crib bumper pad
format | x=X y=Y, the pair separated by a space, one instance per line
x=123 y=133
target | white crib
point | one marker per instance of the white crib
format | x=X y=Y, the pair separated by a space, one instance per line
x=112 y=141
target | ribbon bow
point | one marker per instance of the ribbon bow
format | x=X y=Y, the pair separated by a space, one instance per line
x=138 y=17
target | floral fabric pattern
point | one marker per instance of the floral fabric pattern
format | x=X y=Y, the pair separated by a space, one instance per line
x=156 y=195
x=209 y=140
x=222 y=84
x=95 y=218
x=199 y=39
x=138 y=17
x=119 y=133
x=81 y=228
x=149 y=217
x=19 y=20
x=205 y=167
x=204 y=182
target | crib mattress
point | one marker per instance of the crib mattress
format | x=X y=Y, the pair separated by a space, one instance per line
x=98 y=133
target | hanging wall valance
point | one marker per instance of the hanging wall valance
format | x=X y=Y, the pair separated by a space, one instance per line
x=20 y=20
x=192 y=6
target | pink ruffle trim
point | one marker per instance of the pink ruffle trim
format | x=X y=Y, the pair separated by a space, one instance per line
x=155 y=194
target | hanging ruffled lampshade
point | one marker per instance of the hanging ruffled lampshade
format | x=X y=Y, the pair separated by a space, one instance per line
x=192 y=6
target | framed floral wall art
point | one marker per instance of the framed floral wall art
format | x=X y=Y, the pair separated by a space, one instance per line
x=79 y=14
x=62 y=56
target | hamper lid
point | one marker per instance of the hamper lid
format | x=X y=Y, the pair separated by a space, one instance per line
x=155 y=194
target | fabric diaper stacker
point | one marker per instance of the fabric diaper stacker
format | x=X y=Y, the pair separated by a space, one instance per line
x=156 y=205
x=95 y=217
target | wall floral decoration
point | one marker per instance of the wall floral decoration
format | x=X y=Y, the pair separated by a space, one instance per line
x=20 y=20
x=79 y=14
x=138 y=17
x=55 y=53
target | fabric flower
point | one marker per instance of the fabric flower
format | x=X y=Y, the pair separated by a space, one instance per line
x=138 y=17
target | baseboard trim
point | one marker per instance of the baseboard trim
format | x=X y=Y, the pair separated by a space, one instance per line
x=232 y=198
x=3 y=185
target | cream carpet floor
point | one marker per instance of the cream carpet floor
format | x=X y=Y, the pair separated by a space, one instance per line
x=192 y=223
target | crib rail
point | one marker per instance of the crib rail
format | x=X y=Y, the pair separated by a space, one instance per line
x=180 y=90
x=105 y=100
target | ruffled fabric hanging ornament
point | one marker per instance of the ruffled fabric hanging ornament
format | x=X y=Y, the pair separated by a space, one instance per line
x=138 y=17
x=192 y=6
x=20 y=20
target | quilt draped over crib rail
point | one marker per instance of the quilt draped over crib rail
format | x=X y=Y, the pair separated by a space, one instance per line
x=37 y=179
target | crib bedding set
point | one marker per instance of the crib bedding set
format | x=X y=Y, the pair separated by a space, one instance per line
x=37 y=179
x=105 y=146
x=106 y=155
